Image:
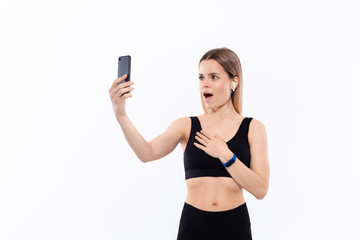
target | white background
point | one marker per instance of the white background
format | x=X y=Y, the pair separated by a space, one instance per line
x=66 y=170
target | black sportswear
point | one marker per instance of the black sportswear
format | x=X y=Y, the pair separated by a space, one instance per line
x=198 y=163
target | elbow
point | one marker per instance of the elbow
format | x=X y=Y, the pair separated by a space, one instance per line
x=147 y=158
x=262 y=190
x=261 y=194
x=144 y=160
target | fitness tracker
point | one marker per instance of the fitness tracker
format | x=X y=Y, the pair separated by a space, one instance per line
x=230 y=162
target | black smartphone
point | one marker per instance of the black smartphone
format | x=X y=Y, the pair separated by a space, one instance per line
x=124 y=66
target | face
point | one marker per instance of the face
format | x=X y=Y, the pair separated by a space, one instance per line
x=214 y=83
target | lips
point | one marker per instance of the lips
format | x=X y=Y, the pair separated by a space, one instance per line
x=207 y=95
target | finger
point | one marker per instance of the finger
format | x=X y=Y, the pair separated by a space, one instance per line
x=206 y=134
x=127 y=95
x=202 y=137
x=118 y=80
x=202 y=141
x=123 y=85
x=199 y=146
x=123 y=90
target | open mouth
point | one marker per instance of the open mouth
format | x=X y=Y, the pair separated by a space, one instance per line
x=207 y=95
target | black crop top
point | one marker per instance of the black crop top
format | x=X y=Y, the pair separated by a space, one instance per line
x=198 y=163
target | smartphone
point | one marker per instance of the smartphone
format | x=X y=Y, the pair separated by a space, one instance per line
x=124 y=66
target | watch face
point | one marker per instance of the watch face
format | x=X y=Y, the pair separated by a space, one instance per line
x=231 y=162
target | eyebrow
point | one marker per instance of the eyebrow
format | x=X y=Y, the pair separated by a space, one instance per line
x=214 y=73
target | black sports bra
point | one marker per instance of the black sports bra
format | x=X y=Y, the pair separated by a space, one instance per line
x=198 y=163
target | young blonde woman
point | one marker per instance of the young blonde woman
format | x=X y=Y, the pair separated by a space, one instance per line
x=224 y=152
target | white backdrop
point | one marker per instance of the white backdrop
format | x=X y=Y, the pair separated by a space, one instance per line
x=66 y=170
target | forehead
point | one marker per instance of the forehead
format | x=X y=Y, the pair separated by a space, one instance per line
x=207 y=66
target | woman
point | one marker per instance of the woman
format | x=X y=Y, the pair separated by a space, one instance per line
x=224 y=152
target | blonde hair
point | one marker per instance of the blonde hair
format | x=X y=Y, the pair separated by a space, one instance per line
x=231 y=63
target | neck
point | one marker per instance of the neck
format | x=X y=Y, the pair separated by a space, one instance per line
x=224 y=111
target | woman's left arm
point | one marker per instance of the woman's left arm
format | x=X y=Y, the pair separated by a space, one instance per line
x=256 y=178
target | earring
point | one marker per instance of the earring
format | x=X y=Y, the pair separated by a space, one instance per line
x=233 y=86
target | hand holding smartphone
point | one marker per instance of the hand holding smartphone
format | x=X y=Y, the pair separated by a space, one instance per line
x=121 y=85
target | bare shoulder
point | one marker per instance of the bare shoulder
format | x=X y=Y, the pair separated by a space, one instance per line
x=181 y=122
x=183 y=126
x=257 y=131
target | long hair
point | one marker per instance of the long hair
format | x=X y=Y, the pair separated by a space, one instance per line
x=231 y=63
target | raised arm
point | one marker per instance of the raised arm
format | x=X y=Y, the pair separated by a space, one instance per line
x=157 y=148
x=145 y=151
x=166 y=142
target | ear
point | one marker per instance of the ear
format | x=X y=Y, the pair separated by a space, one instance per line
x=236 y=79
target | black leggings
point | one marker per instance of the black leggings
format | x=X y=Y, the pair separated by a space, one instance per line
x=197 y=224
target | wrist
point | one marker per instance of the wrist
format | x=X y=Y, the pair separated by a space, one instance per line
x=121 y=117
x=226 y=156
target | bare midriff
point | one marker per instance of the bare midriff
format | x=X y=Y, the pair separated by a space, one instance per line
x=214 y=193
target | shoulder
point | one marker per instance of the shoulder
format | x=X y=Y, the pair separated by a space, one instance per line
x=182 y=121
x=181 y=125
x=257 y=130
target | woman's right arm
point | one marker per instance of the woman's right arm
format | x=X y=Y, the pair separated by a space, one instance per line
x=157 y=148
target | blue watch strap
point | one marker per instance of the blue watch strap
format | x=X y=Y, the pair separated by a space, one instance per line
x=230 y=162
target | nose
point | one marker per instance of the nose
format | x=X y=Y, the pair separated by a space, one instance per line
x=205 y=82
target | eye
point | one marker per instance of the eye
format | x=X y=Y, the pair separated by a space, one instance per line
x=201 y=77
x=215 y=77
